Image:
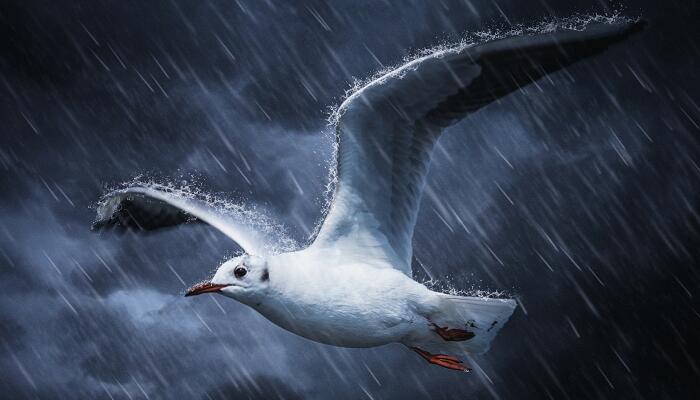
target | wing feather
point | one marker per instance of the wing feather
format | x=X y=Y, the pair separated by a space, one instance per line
x=144 y=208
x=386 y=130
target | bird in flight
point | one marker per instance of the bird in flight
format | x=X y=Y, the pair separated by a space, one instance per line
x=352 y=286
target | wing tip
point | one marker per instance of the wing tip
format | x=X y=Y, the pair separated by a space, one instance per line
x=629 y=28
x=638 y=26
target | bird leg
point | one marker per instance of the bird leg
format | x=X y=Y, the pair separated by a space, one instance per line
x=452 y=335
x=443 y=360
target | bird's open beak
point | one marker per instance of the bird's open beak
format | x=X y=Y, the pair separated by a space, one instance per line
x=204 y=287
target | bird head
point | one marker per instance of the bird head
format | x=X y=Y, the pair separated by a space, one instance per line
x=240 y=278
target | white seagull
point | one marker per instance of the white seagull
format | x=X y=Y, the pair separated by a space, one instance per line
x=352 y=285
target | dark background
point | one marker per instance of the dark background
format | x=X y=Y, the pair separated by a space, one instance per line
x=579 y=197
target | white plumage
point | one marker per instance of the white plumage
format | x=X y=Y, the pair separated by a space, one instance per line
x=352 y=286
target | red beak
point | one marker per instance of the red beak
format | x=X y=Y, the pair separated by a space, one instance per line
x=204 y=287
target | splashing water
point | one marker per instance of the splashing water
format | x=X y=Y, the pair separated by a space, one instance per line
x=446 y=286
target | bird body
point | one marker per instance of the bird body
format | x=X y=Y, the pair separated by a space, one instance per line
x=343 y=304
x=316 y=294
x=352 y=286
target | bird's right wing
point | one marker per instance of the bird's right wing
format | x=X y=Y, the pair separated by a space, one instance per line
x=387 y=129
x=144 y=208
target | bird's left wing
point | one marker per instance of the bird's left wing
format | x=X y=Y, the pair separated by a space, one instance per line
x=142 y=208
x=387 y=129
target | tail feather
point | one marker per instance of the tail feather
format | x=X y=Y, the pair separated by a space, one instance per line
x=483 y=317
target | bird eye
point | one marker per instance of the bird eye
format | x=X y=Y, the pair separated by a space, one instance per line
x=240 y=272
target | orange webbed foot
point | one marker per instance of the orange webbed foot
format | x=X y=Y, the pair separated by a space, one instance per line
x=443 y=360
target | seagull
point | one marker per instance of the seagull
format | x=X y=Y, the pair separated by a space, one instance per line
x=352 y=286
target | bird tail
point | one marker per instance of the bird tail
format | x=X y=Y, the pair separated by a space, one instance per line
x=480 y=317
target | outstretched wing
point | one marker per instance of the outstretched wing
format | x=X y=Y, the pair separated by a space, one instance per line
x=387 y=129
x=142 y=208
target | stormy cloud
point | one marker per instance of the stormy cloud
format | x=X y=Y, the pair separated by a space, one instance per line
x=578 y=196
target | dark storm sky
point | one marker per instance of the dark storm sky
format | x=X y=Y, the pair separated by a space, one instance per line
x=581 y=199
